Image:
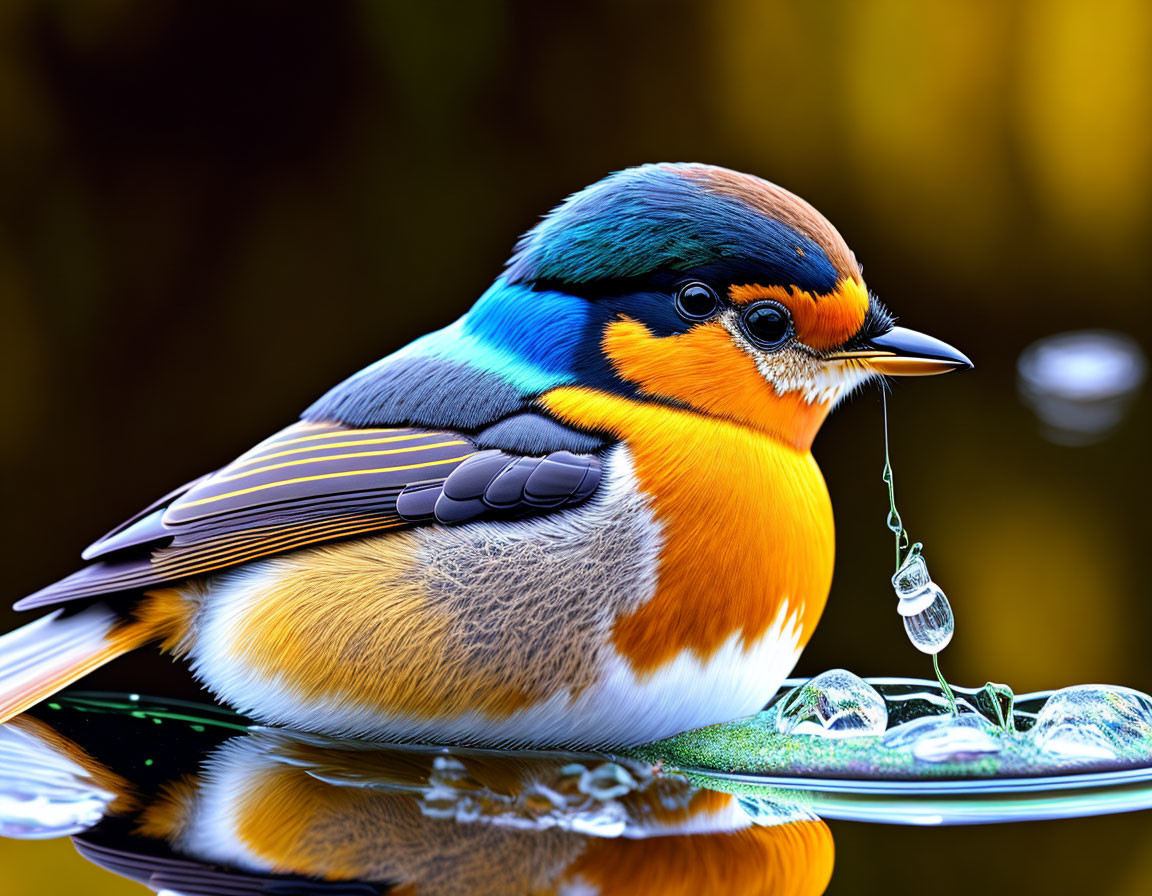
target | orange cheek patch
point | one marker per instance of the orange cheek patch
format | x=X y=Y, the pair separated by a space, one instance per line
x=822 y=321
x=702 y=367
x=707 y=370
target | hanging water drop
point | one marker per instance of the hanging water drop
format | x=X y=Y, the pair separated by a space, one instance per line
x=927 y=614
x=931 y=626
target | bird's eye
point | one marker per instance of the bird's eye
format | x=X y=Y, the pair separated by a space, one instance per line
x=697 y=301
x=767 y=324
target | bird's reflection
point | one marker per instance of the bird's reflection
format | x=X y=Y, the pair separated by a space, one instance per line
x=217 y=810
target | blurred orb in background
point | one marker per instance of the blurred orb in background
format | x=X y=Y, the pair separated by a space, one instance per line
x=1081 y=384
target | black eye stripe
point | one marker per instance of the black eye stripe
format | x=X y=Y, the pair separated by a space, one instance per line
x=767 y=324
x=697 y=301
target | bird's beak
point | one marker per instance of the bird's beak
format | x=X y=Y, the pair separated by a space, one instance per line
x=903 y=352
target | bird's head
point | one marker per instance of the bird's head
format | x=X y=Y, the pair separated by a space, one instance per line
x=688 y=285
x=715 y=290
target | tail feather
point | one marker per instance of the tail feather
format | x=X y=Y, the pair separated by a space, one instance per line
x=44 y=656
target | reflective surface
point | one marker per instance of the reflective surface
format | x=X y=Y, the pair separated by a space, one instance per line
x=1081 y=751
x=187 y=799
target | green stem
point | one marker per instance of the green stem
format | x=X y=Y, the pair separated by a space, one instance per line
x=895 y=524
x=901 y=535
x=944 y=685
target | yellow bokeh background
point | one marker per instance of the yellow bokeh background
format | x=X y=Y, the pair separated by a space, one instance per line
x=53 y=866
x=211 y=211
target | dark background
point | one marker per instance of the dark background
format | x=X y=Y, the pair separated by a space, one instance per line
x=211 y=211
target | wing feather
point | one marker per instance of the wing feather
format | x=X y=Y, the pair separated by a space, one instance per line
x=308 y=484
x=318 y=482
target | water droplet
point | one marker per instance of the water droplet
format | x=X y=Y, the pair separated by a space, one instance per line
x=928 y=620
x=1095 y=722
x=945 y=738
x=606 y=781
x=835 y=703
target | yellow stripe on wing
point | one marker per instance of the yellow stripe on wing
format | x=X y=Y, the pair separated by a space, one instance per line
x=256 y=488
x=179 y=564
x=321 y=459
x=257 y=458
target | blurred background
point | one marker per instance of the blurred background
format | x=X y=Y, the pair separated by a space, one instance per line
x=212 y=211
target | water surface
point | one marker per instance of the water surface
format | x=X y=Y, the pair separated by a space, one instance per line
x=191 y=799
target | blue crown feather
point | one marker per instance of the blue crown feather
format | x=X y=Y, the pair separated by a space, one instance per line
x=654 y=217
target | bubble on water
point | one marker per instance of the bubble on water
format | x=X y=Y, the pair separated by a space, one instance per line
x=607 y=781
x=928 y=619
x=1095 y=722
x=610 y=820
x=444 y=802
x=835 y=703
x=945 y=738
x=584 y=797
x=450 y=772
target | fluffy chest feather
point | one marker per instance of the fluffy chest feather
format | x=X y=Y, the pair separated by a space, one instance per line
x=746 y=527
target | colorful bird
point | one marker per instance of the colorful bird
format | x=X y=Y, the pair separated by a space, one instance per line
x=586 y=513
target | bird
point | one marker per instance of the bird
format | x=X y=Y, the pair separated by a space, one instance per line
x=585 y=514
